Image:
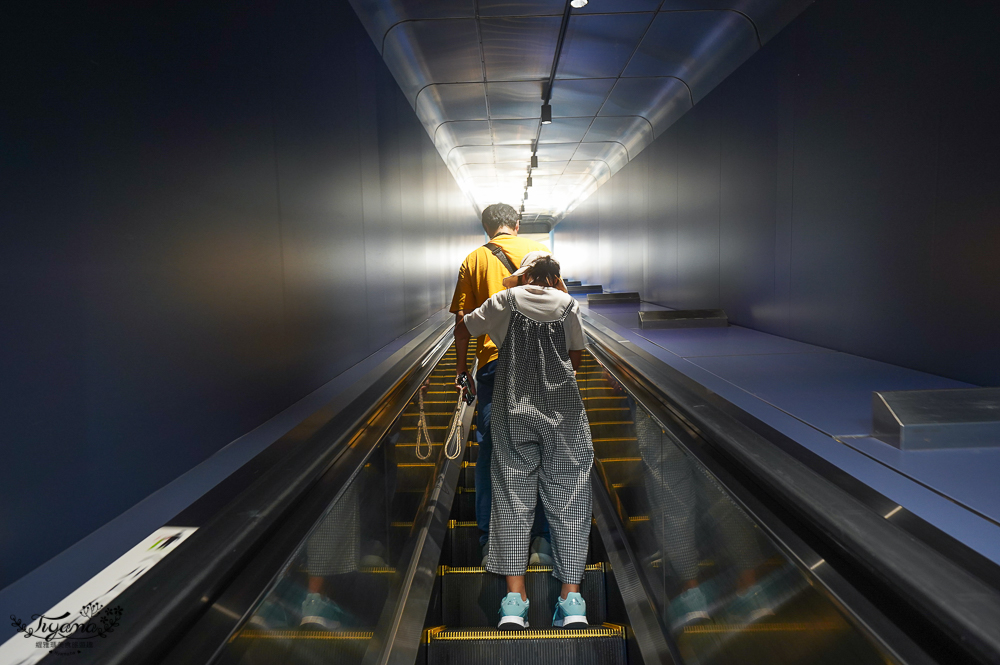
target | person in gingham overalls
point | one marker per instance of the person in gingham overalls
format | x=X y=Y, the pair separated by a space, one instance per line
x=541 y=436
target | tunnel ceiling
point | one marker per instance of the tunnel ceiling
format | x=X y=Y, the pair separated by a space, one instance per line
x=475 y=72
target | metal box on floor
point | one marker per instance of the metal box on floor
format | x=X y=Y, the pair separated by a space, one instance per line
x=586 y=288
x=612 y=298
x=684 y=318
x=935 y=419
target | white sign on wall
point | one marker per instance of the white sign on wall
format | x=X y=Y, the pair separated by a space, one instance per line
x=80 y=613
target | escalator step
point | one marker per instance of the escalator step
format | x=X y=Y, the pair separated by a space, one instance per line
x=464 y=506
x=285 y=646
x=471 y=596
x=603 y=645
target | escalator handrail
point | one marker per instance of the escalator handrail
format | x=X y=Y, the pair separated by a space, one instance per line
x=169 y=598
x=959 y=603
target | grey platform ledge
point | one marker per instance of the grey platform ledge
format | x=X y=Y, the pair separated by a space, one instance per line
x=612 y=298
x=684 y=318
x=586 y=288
x=573 y=282
x=936 y=419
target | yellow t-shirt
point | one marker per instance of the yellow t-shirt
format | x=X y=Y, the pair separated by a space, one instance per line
x=481 y=276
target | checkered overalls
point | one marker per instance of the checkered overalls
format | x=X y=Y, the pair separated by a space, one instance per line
x=541 y=446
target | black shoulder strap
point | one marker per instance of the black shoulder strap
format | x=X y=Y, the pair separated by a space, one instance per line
x=498 y=252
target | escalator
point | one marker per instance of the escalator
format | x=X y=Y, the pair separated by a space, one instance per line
x=694 y=556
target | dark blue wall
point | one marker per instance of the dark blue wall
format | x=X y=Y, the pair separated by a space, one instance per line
x=842 y=188
x=208 y=211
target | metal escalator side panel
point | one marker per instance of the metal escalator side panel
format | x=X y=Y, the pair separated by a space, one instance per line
x=656 y=489
x=248 y=595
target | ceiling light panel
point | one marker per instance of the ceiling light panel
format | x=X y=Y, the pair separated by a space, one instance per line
x=600 y=45
x=659 y=100
x=517 y=99
x=599 y=169
x=471 y=154
x=522 y=8
x=463 y=132
x=516 y=49
x=604 y=6
x=556 y=152
x=565 y=130
x=635 y=132
x=449 y=50
x=550 y=168
x=611 y=152
x=579 y=97
x=767 y=15
x=452 y=101
x=513 y=153
x=510 y=132
x=700 y=48
x=380 y=15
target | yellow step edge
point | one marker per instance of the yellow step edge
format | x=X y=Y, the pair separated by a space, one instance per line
x=429 y=413
x=302 y=635
x=761 y=627
x=606 y=630
x=431 y=632
x=477 y=570
x=452 y=524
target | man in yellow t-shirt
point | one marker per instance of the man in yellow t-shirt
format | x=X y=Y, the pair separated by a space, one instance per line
x=480 y=277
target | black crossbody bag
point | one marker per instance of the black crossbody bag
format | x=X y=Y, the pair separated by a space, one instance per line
x=498 y=252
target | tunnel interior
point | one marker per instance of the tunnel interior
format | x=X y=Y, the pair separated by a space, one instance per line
x=221 y=219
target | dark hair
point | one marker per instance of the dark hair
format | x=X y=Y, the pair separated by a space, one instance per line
x=498 y=216
x=544 y=271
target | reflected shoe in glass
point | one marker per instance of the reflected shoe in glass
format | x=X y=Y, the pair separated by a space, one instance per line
x=571 y=612
x=541 y=552
x=751 y=606
x=372 y=561
x=321 y=613
x=269 y=616
x=513 y=612
x=688 y=608
x=764 y=598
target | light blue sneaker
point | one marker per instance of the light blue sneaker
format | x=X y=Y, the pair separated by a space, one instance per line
x=513 y=612
x=571 y=612
x=269 y=616
x=319 y=612
x=687 y=608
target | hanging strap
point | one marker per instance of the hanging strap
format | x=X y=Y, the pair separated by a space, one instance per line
x=499 y=253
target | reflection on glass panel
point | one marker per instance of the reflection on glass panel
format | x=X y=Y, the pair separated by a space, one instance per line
x=723 y=589
x=327 y=602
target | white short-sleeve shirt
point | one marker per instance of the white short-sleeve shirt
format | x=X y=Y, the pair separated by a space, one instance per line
x=540 y=303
